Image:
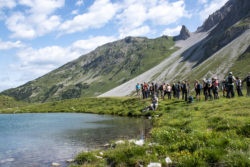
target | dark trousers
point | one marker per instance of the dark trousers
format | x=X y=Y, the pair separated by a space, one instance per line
x=185 y=95
x=239 y=91
x=230 y=91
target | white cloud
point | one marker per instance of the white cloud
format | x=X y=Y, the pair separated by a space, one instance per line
x=211 y=7
x=7 y=3
x=173 y=31
x=134 y=15
x=79 y=2
x=45 y=7
x=202 y=1
x=6 y=45
x=140 y=31
x=36 y=21
x=100 y=13
x=87 y=45
x=9 y=82
x=75 y=12
x=166 y=13
x=18 y=24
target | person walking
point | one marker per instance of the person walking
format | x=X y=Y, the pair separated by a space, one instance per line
x=138 y=89
x=185 y=90
x=230 y=85
x=247 y=80
x=197 y=88
x=215 y=87
x=239 y=86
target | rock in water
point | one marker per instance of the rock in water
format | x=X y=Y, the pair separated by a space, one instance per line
x=55 y=164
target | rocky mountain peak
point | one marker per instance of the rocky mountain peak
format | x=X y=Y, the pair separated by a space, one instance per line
x=184 y=34
x=231 y=12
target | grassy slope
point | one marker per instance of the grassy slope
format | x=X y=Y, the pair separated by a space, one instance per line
x=9 y=103
x=112 y=106
x=241 y=66
x=212 y=133
x=104 y=68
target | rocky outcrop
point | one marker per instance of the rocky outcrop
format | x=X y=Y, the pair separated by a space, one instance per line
x=184 y=34
x=229 y=14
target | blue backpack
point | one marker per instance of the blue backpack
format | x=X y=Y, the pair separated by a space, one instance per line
x=199 y=86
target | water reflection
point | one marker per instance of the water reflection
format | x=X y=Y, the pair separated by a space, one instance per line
x=113 y=129
x=40 y=139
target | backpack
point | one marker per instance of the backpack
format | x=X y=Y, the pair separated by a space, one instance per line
x=190 y=99
x=208 y=83
x=248 y=81
x=230 y=79
x=199 y=86
x=177 y=87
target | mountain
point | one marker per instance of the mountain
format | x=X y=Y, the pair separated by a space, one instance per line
x=220 y=45
x=97 y=72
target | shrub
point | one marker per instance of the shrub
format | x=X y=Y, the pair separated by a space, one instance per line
x=85 y=157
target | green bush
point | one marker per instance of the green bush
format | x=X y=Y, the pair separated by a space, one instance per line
x=126 y=155
x=85 y=157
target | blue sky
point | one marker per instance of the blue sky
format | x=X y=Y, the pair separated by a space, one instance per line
x=38 y=36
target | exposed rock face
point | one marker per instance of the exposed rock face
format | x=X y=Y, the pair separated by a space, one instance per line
x=228 y=15
x=184 y=34
x=225 y=25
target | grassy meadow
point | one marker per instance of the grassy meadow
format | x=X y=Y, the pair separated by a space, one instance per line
x=211 y=133
x=202 y=133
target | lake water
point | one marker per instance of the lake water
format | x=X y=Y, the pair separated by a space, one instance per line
x=37 y=140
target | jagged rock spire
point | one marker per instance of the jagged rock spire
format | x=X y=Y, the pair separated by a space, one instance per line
x=184 y=34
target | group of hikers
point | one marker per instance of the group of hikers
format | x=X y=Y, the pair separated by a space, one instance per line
x=210 y=88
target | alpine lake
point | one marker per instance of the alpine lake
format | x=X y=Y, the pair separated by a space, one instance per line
x=40 y=139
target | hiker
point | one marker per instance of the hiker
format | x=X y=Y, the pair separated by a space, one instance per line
x=152 y=89
x=142 y=91
x=138 y=89
x=197 y=88
x=168 y=91
x=174 y=90
x=215 y=87
x=178 y=89
x=154 y=103
x=145 y=90
x=224 y=87
x=207 y=89
x=156 y=89
x=163 y=90
x=247 y=80
x=230 y=85
x=185 y=90
x=239 y=86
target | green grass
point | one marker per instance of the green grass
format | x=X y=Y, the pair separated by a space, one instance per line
x=111 y=106
x=212 y=133
x=205 y=133
x=7 y=102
